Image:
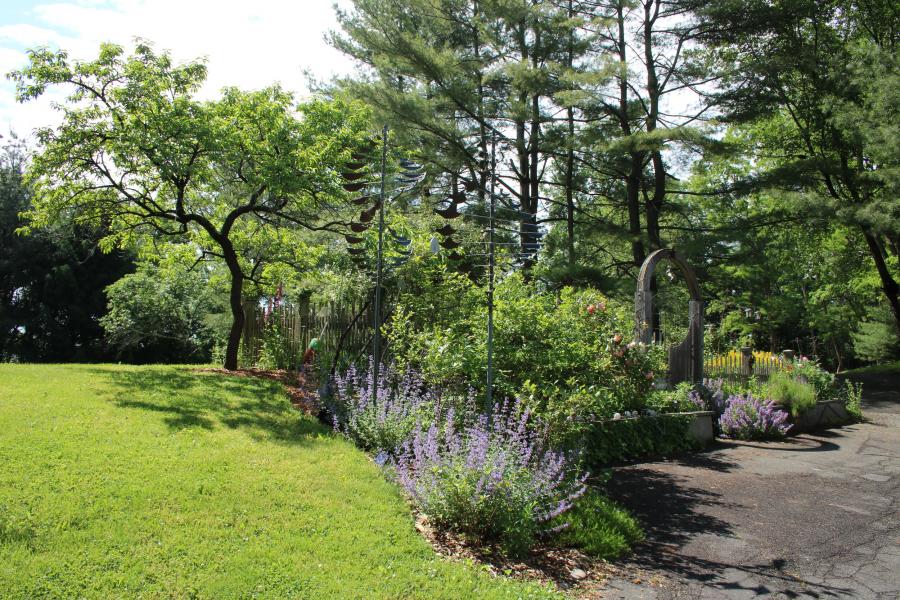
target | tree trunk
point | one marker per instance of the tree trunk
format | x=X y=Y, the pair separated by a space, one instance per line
x=655 y=203
x=888 y=284
x=237 y=309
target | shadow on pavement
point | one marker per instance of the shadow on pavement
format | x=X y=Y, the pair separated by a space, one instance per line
x=675 y=512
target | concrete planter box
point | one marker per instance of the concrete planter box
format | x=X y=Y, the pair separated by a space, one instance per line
x=701 y=426
x=824 y=415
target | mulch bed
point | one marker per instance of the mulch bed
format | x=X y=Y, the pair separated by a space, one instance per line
x=299 y=386
x=580 y=575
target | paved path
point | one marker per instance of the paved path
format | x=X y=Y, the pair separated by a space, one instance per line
x=817 y=516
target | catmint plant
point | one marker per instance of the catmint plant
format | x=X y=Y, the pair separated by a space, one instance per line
x=747 y=418
x=494 y=480
x=379 y=424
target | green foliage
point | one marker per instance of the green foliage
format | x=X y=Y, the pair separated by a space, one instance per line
x=793 y=394
x=276 y=349
x=674 y=401
x=566 y=354
x=600 y=527
x=811 y=371
x=875 y=340
x=852 y=393
x=51 y=282
x=619 y=440
x=163 y=313
x=163 y=482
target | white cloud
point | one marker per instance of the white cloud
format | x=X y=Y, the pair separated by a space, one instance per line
x=246 y=44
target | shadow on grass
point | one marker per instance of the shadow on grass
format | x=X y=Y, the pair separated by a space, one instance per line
x=674 y=511
x=188 y=399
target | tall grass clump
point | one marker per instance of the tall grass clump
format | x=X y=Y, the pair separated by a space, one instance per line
x=795 y=395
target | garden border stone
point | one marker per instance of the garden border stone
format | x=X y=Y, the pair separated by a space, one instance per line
x=826 y=413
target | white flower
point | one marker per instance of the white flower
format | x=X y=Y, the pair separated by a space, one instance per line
x=616 y=417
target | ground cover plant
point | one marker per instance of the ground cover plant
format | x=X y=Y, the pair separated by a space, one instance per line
x=600 y=527
x=163 y=482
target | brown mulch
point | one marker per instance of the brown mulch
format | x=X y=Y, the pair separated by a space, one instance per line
x=545 y=564
x=299 y=386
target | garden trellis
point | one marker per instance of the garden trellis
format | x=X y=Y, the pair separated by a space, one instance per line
x=406 y=179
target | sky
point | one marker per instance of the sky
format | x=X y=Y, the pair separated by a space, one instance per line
x=248 y=44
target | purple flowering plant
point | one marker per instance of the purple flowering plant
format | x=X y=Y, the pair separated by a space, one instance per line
x=746 y=417
x=494 y=480
x=379 y=423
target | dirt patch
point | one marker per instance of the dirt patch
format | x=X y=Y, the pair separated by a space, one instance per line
x=579 y=575
x=300 y=386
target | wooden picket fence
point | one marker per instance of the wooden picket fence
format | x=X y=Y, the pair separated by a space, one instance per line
x=297 y=325
x=734 y=367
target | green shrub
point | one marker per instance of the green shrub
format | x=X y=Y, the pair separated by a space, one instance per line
x=566 y=353
x=599 y=527
x=618 y=440
x=852 y=395
x=794 y=395
x=276 y=350
x=821 y=380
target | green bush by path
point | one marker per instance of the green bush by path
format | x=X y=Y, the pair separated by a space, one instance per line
x=794 y=395
x=161 y=482
x=614 y=441
x=599 y=527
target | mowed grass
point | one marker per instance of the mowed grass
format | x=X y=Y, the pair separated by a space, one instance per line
x=148 y=482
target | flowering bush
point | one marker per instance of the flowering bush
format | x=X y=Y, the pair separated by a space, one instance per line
x=565 y=353
x=494 y=480
x=808 y=370
x=382 y=423
x=748 y=418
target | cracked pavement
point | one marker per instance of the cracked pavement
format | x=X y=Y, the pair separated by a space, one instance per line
x=816 y=516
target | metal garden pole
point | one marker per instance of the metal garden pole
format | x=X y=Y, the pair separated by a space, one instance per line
x=376 y=339
x=490 y=331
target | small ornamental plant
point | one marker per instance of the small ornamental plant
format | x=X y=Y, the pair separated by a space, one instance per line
x=749 y=418
x=493 y=480
x=379 y=423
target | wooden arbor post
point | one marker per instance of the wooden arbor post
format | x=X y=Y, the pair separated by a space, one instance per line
x=686 y=358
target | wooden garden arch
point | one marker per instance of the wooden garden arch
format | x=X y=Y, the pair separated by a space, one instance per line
x=685 y=358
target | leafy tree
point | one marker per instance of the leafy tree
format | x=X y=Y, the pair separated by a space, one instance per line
x=51 y=283
x=139 y=153
x=820 y=81
x=165 y=311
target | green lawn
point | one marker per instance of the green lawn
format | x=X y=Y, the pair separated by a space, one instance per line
x=160 y=482
x=884 y=369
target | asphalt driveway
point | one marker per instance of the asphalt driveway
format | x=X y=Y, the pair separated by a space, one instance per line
x=817 y=516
